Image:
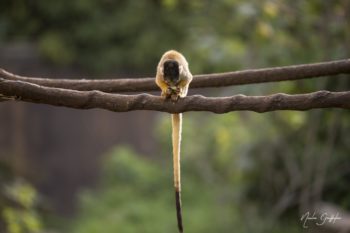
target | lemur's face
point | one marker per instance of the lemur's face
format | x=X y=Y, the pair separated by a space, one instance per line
x=171 y=72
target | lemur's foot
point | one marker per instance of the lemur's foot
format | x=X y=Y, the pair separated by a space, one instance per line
x=166 y=94
x=169 y=92
x=172 y=93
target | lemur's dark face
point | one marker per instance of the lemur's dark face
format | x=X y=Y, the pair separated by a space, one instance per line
x=171 y=71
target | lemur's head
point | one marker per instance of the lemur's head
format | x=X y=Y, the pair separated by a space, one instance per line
x=171 y=71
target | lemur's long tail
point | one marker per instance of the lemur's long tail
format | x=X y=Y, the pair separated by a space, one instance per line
x=176 y=138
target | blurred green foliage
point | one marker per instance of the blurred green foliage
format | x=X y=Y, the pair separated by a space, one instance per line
x=209 y=205
x=223 y=35
x=233 y=173
x=21 y=216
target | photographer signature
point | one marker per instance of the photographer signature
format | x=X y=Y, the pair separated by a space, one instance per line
x=319 y=219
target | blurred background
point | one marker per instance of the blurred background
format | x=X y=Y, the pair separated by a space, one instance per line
x=89 y=171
